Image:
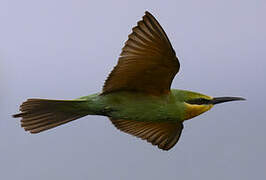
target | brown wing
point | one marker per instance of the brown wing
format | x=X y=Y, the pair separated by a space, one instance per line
x=163 y=134
x=147 y=63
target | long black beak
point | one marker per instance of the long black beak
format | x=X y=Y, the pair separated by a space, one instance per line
x=218 y=100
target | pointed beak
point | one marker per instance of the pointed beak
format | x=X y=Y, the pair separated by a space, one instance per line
x=218 y=100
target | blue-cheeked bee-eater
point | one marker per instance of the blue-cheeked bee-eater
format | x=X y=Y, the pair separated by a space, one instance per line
x=136 y=96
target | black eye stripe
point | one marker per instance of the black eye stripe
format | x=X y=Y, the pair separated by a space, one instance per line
x=198 y=101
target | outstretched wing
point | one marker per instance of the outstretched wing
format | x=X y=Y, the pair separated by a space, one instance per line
x=162 y=134
x=148 y=62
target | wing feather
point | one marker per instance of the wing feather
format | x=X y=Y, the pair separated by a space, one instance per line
x=147 y=62
x=162 y=134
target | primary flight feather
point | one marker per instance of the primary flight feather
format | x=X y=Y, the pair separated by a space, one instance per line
x=136 y=96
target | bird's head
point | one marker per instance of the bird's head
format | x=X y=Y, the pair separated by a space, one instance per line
x=196 y=103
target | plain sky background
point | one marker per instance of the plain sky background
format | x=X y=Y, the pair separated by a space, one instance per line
x=64 y=49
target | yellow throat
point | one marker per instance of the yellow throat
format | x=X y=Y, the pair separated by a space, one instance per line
x=195 y=110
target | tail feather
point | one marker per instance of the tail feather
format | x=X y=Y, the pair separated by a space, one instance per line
x=42 y=114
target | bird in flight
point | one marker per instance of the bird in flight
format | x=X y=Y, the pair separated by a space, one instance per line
x=136 y=96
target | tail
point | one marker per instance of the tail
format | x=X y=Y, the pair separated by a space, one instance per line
x=42 y=114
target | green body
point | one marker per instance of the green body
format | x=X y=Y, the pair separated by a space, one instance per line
x=139 y=106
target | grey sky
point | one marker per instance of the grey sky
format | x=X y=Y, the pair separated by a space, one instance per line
x=64 y=49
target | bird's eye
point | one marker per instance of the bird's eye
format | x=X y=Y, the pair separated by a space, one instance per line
x=198 y=101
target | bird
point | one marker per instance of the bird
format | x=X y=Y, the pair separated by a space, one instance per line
x=137 y=95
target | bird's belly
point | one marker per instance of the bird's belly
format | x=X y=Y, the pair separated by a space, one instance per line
x=141 y=108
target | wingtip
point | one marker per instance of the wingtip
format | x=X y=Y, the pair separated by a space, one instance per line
x=147 y=13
